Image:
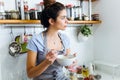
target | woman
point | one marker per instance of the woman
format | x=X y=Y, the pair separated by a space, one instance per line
x=44 y=48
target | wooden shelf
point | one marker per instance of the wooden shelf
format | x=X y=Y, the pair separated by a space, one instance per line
x=38 y=22
x=19 y=21
x=84 y=22
x=91 y=0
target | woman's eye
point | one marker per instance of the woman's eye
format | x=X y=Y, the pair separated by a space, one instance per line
x=63 y=17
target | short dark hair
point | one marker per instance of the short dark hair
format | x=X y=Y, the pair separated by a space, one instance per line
x=51 y=12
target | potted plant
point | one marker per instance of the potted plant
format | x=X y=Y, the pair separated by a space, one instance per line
x=84 y=32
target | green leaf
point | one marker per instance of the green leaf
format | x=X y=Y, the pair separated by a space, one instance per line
x=85 y=30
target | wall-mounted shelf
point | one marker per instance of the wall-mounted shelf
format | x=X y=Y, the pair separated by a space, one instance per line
x=19 y=21
x=84 y=22
x=91 y=0
x=38 y=22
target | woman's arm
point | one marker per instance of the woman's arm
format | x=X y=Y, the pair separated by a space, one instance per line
x=32 y=69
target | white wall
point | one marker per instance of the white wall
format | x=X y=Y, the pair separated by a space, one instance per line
x=107 y=34
x=107 y=38
x=14 y=68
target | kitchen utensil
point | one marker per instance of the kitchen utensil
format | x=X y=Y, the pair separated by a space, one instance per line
x=14 y=49
x=97 y=77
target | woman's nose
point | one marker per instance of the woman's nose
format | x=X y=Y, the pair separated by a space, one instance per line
x=66 y=20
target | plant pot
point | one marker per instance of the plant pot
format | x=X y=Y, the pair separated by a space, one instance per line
x=82 y=38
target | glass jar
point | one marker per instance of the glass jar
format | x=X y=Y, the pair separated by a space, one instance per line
x=7 y=15
x=2 y=12
x=14 y=14
x=33 y=14
x=27 y=16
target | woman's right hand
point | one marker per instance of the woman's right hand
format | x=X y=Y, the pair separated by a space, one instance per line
x=51 y=56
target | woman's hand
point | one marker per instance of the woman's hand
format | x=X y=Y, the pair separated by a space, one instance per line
x=51 y=56
x=72 y=67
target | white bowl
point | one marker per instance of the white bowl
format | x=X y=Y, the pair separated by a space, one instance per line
x=65 y=60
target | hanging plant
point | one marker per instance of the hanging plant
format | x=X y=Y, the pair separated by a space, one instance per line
x=84 y=33
x=85 y=30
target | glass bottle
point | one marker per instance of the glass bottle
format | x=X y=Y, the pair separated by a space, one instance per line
x=73 y=76
x=25 y=6
x=2 y=11
x=19 y=9
x=1 y=6
x=85 y=71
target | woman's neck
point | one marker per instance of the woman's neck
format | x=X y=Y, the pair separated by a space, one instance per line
x=52 y=33
x=53 y=39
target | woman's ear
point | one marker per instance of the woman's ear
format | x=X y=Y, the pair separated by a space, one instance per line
x=51 y=21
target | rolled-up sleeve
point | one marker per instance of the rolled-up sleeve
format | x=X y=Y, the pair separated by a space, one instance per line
x=31 y=45
x=36 y=43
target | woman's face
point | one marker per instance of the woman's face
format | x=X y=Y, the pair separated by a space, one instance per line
x=61 y=21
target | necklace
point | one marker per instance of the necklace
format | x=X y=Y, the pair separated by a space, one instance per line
x=54 y=43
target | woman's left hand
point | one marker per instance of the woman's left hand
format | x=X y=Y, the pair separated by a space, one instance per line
x=72 y=67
